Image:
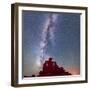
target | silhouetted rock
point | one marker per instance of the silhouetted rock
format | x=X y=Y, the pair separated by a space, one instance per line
x=50 y=68
x=33 y=75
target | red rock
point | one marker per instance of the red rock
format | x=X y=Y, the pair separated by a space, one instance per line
x=50 y=68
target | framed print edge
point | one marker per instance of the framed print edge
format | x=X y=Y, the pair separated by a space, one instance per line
x=86 y=51
x=15 y=47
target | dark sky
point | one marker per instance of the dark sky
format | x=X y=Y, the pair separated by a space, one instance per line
x=66 y=47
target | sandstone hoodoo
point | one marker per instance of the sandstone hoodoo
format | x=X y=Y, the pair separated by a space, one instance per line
x=50 y=68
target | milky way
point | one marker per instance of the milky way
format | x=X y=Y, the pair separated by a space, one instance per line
x=47 y=35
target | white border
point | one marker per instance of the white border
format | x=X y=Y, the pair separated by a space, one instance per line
x=82 y=49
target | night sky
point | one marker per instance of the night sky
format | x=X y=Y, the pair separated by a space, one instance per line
x=64 y=47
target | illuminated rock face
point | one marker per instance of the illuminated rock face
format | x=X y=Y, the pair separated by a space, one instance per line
x=50 y=68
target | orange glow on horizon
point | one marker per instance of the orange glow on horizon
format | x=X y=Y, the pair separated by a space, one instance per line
x=74 y=70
